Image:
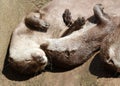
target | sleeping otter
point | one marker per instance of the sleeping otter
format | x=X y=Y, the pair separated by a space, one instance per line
x=25 y=54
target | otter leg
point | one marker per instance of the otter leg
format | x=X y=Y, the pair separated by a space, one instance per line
x=67 y=17
x=35 y=22
x=99 y=14
x=75 y=26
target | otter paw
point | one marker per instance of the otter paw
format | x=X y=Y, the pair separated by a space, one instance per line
x=75 y=26
x=79 y=22
x=67 y=18
x=34 y=21
x=98 y=10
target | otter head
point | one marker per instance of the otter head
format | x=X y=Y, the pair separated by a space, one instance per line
x=30 y=62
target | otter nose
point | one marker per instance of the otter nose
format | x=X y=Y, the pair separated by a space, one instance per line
x=38 y=59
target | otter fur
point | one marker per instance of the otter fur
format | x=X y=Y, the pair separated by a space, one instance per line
x=36 y=41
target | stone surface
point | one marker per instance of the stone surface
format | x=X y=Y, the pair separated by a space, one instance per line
x=92 y=73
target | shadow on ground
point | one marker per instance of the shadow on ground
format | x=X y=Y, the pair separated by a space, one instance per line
x=100 y=69
x=97 y=68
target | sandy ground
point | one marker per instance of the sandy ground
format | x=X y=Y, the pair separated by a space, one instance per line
x=92 y=73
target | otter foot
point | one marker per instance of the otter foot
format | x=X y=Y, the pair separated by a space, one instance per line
x=75 y=26
x=67 y=18
x=34 y=21
x=99 y=14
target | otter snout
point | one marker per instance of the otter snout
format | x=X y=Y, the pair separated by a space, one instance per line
x=40 y=59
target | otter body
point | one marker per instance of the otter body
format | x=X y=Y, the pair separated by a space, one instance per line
x=39 y=28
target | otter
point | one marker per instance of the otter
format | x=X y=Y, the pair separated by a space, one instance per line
x=39 y=31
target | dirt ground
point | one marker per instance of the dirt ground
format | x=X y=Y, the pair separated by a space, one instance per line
x=92 y=73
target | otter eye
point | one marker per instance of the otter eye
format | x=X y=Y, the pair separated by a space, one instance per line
x=27 y=60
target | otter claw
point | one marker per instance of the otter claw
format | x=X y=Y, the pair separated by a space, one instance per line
x=67 y=18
